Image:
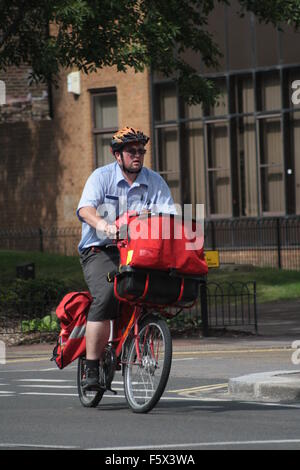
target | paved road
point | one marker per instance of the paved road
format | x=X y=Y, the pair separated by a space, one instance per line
x=39 y=407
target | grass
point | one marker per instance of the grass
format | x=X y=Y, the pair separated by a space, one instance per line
x=60 y=267
x=272 y=284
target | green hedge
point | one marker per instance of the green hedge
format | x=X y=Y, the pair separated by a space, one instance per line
x=32 y=297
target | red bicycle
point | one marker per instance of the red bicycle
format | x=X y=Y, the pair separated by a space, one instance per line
x=140 y=344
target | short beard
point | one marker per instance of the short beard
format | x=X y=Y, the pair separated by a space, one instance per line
x=128 y=170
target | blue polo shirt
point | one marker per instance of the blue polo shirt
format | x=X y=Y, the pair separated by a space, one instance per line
x=108 y=191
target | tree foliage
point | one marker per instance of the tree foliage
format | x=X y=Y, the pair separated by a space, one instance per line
x=91 y=34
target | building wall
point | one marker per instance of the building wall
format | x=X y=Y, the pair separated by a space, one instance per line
x=44 y=162
x=73 y=124
x=28 y=153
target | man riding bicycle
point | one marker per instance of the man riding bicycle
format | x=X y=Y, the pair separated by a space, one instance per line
x=110 y=190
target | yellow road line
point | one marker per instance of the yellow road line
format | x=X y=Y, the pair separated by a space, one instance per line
x=200 y=388
x=230 y=351
x=181 y=353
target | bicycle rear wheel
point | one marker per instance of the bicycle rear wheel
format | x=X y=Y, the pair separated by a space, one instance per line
x=89 y=399
x=145 y=380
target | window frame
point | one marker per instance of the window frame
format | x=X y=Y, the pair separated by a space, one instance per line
x=94 y=93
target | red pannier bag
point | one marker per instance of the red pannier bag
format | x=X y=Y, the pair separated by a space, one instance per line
x=163 y=242
x=161 y=259
x=72 y=313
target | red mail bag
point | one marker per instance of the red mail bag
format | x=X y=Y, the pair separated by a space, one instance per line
x=72 y=313
x=163 y=242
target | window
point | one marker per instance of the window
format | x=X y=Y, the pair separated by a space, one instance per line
x=218 y=167
x=246 y=145
x=240 y=157
x=168 y=160
x=269 y=91
x=271 y=165
x=194 y=160
x=295 y=147
x=105 y=123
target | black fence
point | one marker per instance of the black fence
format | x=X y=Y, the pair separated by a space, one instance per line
x=220 y=305
x=267 y=242
x=229 y=305
x=62 y=240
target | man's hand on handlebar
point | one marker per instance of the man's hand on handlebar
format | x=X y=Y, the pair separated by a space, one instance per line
x=109 y=230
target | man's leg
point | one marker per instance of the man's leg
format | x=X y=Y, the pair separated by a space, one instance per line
x=97 y=336
x=104 y=308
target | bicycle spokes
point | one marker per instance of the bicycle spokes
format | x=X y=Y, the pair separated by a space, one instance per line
x=147 y=368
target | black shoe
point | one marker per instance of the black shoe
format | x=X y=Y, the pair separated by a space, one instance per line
x=91 y=381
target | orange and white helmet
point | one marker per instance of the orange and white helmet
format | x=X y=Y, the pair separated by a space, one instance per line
x=126 y=135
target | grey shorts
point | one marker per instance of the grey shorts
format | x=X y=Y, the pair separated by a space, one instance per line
x=96 y=266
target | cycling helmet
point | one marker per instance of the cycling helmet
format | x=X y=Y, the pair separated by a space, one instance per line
x=126 y=135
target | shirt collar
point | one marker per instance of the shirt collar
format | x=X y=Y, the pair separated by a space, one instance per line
x=141 y=178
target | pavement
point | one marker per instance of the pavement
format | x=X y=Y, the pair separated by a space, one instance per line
x=278 y=329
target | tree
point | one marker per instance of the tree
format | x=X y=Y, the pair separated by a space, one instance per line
x=91 y=34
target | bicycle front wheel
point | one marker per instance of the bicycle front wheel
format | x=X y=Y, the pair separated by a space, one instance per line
x=146 y=376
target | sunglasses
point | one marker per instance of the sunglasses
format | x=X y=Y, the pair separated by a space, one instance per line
x=134 y=152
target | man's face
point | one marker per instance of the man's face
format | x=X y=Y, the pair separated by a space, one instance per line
x=133 y=157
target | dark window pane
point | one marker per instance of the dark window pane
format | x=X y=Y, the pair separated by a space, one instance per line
x=248 y=169
x=269 y=91
x=103 y=153
x=166 y=103
x=106 y=111
x=221 y=106
x=271 y=166
x=244 y=94
x=168 y=160
x=295 y=134
x=195 y=147
x=219 y=169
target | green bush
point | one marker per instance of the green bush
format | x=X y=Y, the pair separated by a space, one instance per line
x=48 y=323
x=32 y=297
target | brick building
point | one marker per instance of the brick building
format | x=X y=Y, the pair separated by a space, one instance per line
x=240 y=158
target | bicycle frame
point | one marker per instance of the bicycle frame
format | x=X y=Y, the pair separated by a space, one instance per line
x=133 y=323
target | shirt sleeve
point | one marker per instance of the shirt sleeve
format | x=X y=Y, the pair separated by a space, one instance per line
x=93 y=192
x=164 y=200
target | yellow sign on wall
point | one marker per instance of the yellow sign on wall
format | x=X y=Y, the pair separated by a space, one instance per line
x=212 y=259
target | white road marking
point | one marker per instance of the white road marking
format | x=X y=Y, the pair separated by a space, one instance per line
x=39 y=446
x=187 y=445
x=47 y=386
x=51 y=394
x=42 y=380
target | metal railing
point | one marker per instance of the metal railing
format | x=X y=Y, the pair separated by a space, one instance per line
x=220 y=305
x=266 y=242
x=62 y=240
x=269 y=241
